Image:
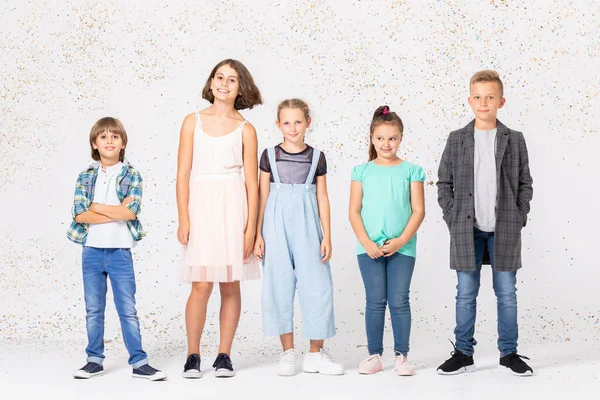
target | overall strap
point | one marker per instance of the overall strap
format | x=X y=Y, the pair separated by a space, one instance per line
x=313 y=166
x=273 y=164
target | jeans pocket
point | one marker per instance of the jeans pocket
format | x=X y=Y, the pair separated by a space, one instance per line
x=126 y=254
x=84 y=251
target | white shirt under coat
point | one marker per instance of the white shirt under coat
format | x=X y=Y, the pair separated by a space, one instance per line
x=486 y=187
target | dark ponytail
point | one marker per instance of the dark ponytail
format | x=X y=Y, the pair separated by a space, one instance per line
x=382 y=115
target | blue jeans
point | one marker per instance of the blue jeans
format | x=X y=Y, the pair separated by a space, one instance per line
x=387 y=282
x=117 y=264
x=466 y=301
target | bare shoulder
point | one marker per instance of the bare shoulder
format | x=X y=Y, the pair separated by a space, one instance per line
x=249 y=131
x=189 y=125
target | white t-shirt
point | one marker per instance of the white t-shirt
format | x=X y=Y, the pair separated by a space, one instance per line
x=112 y=235
x=486 y=187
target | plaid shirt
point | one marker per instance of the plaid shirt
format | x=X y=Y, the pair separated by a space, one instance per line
x=129 y=184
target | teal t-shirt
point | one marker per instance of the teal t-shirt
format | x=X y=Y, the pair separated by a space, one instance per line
x=386 y=205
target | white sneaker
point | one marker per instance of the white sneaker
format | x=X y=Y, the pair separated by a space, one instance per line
x=322 y=363
x=287 y=363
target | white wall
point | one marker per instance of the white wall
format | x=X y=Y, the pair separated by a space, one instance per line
x=66 y=65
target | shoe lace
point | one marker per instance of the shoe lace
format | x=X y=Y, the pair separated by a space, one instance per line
x=455 y=353
x=288 y=357
x=326 y=357
x=368 y=359
x=191 y=361
x=514 y=357
x=148 y=369
x=90 y=366
x=223 y=359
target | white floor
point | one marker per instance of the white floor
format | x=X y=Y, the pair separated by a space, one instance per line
x=43 y=370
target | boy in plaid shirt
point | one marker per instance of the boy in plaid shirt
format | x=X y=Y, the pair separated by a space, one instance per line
x=106 y=204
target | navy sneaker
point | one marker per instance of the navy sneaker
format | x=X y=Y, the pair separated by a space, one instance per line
x=89 y=370
x=223 y=366
x=147 y=372
x=514 y=362
x=191 y=369
x=457 y=364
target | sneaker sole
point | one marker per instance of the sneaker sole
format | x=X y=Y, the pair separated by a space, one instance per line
x=224 y=373
x=369 y=372
x=155 y=377
x=333 y=373
x=192 y=374
x=87 y=375
x=286 y=373
x=510 y=371
x=468 y=368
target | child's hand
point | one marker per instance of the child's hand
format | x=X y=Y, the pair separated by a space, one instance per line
x=248 y=244
x=259 y=248
x=373 y=250
x=325 y=250
x=183 y=232
x=127 y=200
x=392 y=246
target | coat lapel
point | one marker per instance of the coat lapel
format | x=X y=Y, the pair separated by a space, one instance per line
x=501 y=142
x=468 y=143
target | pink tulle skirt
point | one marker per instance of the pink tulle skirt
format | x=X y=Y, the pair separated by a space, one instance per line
x=218 y=211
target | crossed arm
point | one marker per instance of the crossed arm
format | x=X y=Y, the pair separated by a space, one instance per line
x=103 y=213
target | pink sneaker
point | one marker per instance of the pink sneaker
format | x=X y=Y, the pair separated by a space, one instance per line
x=370 y=365
x=403 y=368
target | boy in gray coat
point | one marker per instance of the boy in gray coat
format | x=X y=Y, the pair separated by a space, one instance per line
x=484 y=190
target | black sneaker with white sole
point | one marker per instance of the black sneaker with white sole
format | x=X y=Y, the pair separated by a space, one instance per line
x=147 y=372
x=191 y=369
x=514 y=362
x=457 y=364
x=89 y=370
x=223 y=366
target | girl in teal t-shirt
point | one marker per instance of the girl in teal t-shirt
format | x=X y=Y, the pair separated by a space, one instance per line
x=387 y=207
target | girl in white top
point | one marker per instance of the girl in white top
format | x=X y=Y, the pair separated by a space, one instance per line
x=218 y=207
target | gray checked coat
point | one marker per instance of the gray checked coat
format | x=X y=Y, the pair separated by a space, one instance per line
x=455 y=197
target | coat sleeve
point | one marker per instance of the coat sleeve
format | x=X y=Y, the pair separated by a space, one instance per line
x=445 y=183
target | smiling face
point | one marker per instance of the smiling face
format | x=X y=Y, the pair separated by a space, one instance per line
x=109 y=146
x=485 y=101
x=293 y=124
x=225 y=84
x=386 y=139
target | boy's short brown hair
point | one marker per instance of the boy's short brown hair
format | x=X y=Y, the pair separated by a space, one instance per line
x=249 y=94
x=487 y=75
x=107 y=124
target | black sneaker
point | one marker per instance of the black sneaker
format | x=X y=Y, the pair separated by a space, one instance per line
x=147 y=372
x=457 y=364
x=191 y=369
x=88 y=371
x=514 y=362
x=223 y=366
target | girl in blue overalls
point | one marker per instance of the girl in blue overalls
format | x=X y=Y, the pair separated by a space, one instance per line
x=295 y=252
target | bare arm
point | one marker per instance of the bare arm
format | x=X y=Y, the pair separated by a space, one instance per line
x=91 y=217
x=324 y=215
x=264 y=189
x=184 y=167
x=250 y=149
x=263 y=195
x=116 y=213
x=417 y=203
x=356 y=195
